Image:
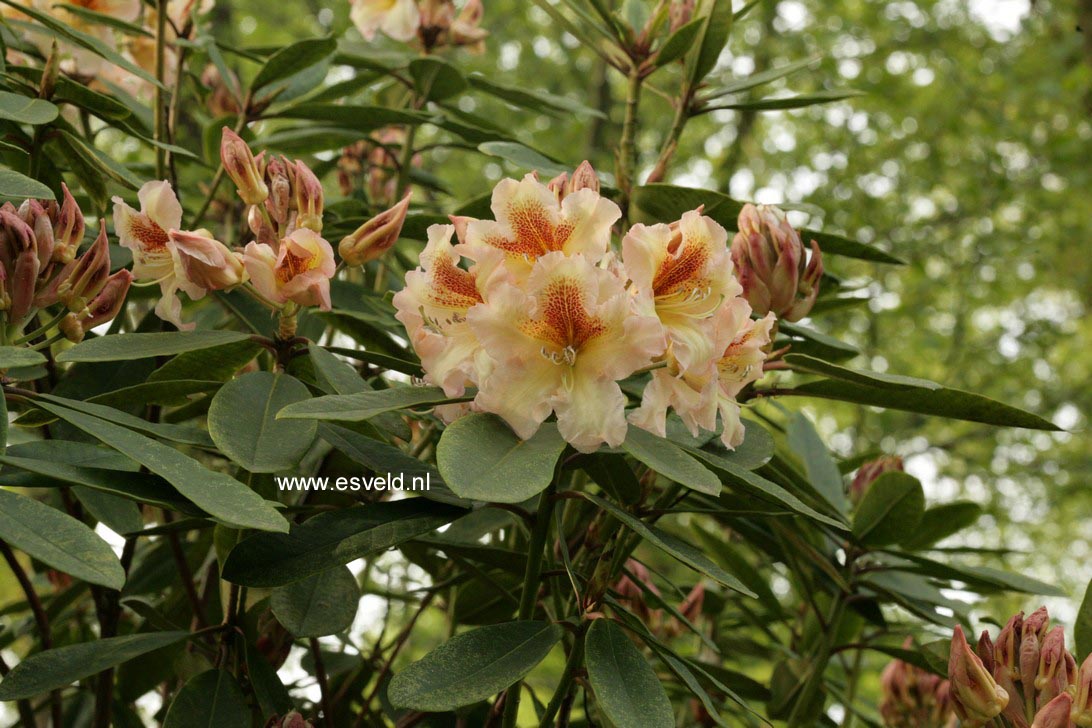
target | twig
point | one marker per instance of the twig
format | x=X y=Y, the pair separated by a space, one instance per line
x=324 y=687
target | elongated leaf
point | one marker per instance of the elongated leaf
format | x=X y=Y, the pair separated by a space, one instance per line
x=626 y=687
x=823 y=473
x=435 y=79
x=1082 y=628
x=333 y=539
x=122 y=347
x=523 y=157
x=290 y=60
x=24 y=110
x=366 y=405
x=763 y=77
x=322 y=604
x=714 y=37
x=944 y=402
x=212 y=698
x=120 y=515
x=669 y=460
x=480 y=458
x=243 y=424
x=59 y=540
x=667 y=543
x=18 y=186
x=220 y=495
x=183 y=434
x=532 y=99
x=781 y=103
x=882 y=380
x=890 y=510
x=942 y=521
x=978 y=577
x=678 y=43
x=352 y=116
x=98 y=160
x=52 y=669
x=17 y=356
x=473 y=666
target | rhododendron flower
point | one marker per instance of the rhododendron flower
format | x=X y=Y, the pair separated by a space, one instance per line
x=682 y=272
x=299 y=271
x=205 y=262
x=700 y=393
x=398 y=19
x=531 y=222
x=560 y=342
x=433 y=307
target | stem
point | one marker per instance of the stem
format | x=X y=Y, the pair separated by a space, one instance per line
x=160 y=100
x=576 y=659
x=39 y=331
x=406 y=161
x=532 y=579
x=627 y=149
x=667 y=151
x=818 y=666
x=49 y=342
x=219 y=176
x=324 y=687
x=44 y=632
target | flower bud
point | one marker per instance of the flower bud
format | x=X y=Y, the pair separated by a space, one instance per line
x=1006 y=649
x=34 y=214
x=5 y=296
x=772 y=265
x=259 y=225
x=691 y=606
x=376 y=236
x=308 y=197
x=79 y=281
x=68 y=227
x=557 y=185
x=583 y=178
x=292 y=720
x=207 y=263
x=975 y=696
x=985 y=650
x=279 y=201
x=869 y=472
x=22 y=284
x=1031 y=641
x=1052 y=677
x=1054 y=714
x=103 y=307
x=681 y=13
x=1082 y=703
x=239 y=164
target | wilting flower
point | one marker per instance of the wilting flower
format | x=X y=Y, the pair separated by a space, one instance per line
x=531 y=222
x=398 y=19
x=299 y=271
x=772 y=266
x=976 y=697
x=560 y=343
x=869 y=472
x=433 y=307
x=682 y=273
x=205 y=262
x=375 y=237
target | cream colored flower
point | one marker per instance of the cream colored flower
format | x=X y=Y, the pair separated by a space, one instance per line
x=206 y=262
x=398 y=19
x=560 y=342
x=299 y=271
x=531 y=223
x=682 y=272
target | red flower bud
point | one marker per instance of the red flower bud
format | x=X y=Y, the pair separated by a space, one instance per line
x=867 y=474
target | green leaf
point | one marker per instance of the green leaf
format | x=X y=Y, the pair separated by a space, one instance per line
x=672 y=546
x=123 y=347
x=184 y=434
x=524 y=157
x=18 y=186
x=763 y=77
x=780 y=103
x=366 y=405
x=290 y=60
x=977 y=577
x=435 y=79
x=120 y=515
x=212 y=698
x=714 y=37
x=480 y=458
x=216 y=363
x=98 y=160
x=17 y=356
x=531 y=99
x=626 y=687
x=944 y=402
x=812 y=365
x=57 y=668
x=668 y=460
x=667 y=203
x=243 y=424
x=890 y=511
x=24 y=110
x=823 y=473
x=59 y=540
x=269 y=691
x=472 y=666
x=333 y=539
x=219 y=494
x=352 y=116
x=678 y=43
x=1082 y=628
x=940 y=522
x=322 y=604
x=809 y=341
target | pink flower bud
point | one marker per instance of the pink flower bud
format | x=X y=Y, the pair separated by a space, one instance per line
x=207 y=263
x=279 y=201
x=1028 y=657
x=867 y=474
x=1052 y=676
x=68 y=227
x=79 y=281
x=308 y=197
x=239 y=164
x=376 y=236
x=34 y=214
x=22 y=284
x=1006 y=648
x=5 y=295
x=1082 y=704
x=557 y=185
x=103 y=307
x=1038 y=623
x=1054 y=714
x=772 y=266
x=975 y=694
x=583 y=178
x=984 y=650
x=681 y=13
x=292 y=720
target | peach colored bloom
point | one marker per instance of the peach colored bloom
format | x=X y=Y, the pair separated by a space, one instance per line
x=560 y=342
x=299 y=271
x=398 y=19
x=682 y=273
x=531 y=222
x=433 y=307
x=206 y=262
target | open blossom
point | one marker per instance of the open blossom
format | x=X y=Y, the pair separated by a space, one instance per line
x=433 y=307
x=398 y=19
x=300 y=271
x=561 y=341
x=531 y=222
x=205 y=262
x=682 y=273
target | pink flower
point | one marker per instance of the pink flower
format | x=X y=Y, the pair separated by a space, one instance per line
x=299 y=272
x=559 y=343
x=206 y=263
